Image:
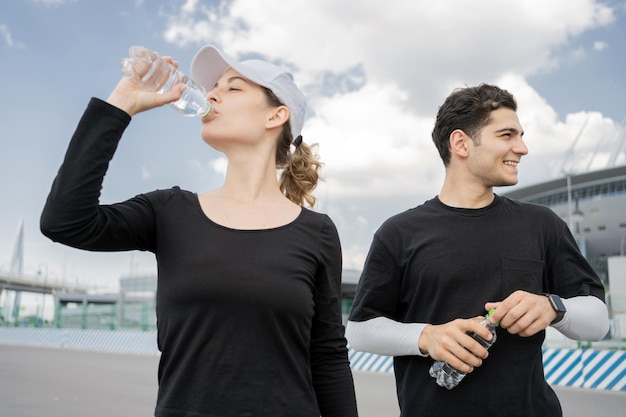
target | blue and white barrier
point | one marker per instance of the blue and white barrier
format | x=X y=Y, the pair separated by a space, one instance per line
x=118 y=341
x=362 y=361
x=586 y=368
x=580 y=368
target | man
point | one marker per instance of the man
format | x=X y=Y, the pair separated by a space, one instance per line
x=434 y=269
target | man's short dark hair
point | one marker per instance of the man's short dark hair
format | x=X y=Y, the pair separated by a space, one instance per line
x=469 y=110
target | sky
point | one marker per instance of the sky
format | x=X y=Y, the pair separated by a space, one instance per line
x=374 y=74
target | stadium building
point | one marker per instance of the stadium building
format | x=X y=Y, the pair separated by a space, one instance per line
x=594 y=206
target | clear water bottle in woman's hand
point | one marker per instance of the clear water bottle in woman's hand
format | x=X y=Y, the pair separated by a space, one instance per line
x=153 y=73
x=449 y=377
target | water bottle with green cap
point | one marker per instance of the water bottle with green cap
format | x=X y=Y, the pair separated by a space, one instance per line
x=449 y=377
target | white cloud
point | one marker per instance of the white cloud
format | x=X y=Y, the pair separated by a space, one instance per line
x=206 y=170
x=146 y=173
x=366 y=129
x=600 y=45
x=578 y=53
x=219 y=165
x=6 y=36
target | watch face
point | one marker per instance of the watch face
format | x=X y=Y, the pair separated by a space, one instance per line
x=558 y=306
x=557 y=303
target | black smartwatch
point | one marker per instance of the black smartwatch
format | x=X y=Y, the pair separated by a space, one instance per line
x=558 y=306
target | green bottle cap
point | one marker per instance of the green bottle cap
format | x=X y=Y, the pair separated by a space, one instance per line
x=489 y=315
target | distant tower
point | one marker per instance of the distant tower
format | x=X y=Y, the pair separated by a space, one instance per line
x=17 y=261
x=17 y=267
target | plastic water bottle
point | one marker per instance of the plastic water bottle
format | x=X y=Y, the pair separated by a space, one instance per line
x=153 y=73
x=449 y=377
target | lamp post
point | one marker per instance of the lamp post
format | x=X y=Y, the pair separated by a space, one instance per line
x=43 y=295
x=569 y=202
x=575 y=215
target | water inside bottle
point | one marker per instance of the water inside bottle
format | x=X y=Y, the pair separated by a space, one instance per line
x=192 y=103
x=449 y=377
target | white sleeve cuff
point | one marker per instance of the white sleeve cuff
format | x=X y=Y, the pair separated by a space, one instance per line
x=384 y=336
x=586 y=318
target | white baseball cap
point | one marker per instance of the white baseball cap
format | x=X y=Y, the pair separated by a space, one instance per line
x=210 y=63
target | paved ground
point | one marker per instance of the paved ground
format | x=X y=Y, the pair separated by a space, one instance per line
x=70 y=383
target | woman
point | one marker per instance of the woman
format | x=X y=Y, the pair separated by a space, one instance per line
x=249 y=293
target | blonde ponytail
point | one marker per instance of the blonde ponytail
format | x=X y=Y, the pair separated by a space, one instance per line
x=300 y=167
x=301 y=174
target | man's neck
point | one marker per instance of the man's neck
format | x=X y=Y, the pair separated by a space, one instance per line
x=465 y=196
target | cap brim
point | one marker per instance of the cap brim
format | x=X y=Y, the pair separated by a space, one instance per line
x=208 y=66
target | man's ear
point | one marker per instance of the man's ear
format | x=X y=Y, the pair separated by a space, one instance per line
x=278 y=117
x=459 y=143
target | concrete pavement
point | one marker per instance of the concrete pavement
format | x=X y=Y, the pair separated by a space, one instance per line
x=37 y=381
